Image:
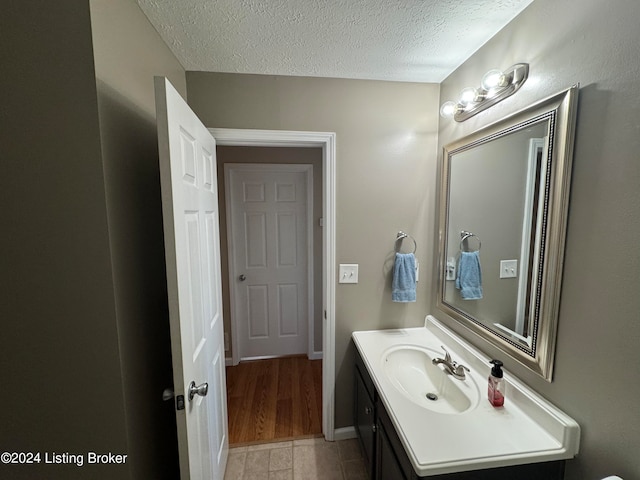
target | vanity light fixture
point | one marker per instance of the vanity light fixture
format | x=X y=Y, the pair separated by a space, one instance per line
x=496 y=85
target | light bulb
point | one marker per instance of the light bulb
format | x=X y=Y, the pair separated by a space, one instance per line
x=492 y=79
x=468 y=95
x=448 y=109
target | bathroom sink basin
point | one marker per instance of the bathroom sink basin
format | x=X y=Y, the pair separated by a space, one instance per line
x=411 y=371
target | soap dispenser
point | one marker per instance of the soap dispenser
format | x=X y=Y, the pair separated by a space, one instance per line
x=496 y=384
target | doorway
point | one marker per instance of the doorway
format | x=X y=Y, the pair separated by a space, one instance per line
x=271 y=227
x=326 y=143
x=272 y=223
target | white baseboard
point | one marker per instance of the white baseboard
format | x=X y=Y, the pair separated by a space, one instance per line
x=228 y=361
x=344 y=433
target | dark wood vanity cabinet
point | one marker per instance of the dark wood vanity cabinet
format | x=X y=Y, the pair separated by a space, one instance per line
x=386 y=458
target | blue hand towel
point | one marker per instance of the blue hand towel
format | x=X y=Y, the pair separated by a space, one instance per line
x=469 y=279
x=403 y=287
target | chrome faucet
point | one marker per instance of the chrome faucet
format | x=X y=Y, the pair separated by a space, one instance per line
x=456 y=370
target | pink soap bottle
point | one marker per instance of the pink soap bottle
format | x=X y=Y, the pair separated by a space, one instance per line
x=496 y=385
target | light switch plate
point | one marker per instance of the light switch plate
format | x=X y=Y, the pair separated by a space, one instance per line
x=508 y=268
x=348 y=273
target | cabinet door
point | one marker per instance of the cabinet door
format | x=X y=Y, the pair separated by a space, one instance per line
x=364 y=421
x=387 y=465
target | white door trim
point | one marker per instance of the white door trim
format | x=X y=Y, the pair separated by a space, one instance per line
x=536 y=145
x=307 y=169
x=327 y=141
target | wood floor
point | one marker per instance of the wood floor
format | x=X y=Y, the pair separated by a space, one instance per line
x=274 y=399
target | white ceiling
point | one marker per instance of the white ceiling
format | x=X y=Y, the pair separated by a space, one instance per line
x=399 y=40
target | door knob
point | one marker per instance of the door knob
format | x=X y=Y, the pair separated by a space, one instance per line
x=198 y=390
x=167 y=394
x=242 y=277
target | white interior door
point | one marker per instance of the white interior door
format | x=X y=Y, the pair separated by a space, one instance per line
x=192 y=250
x=269 y=212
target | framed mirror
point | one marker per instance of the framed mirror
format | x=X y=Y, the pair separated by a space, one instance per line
x=503 y=215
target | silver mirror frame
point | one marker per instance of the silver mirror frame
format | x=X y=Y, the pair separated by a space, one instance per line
x=560 y=110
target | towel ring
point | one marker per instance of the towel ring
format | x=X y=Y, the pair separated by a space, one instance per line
x=400 y=237
x=464 y=235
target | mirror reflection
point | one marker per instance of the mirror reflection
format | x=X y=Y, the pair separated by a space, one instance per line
x=503 y=219
x=494 y=197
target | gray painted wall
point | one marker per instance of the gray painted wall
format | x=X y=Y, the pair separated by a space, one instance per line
x=386 y=148
x=126 y=60
x=597 y=356
x=59 y=355
x=84 y=349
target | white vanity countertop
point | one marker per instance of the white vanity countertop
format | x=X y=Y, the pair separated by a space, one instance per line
x=527 y=429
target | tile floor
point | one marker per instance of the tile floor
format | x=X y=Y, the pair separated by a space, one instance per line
x=306 y=459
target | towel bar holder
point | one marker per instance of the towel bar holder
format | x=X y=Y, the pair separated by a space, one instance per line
x=464 y=235
x=400 y=237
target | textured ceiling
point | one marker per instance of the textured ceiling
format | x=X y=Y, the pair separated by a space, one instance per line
x=400 y=40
